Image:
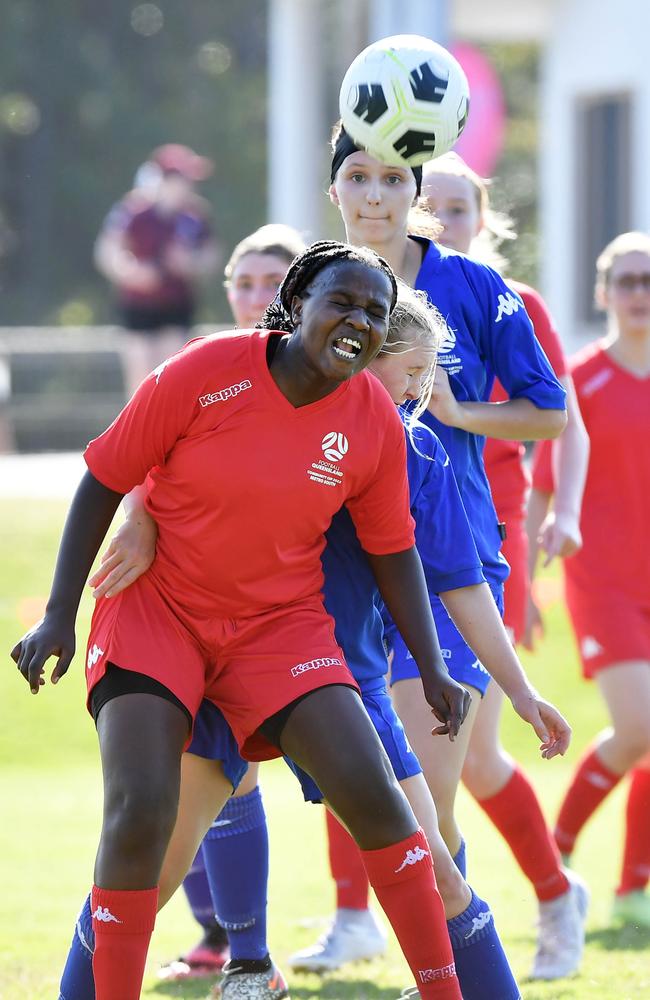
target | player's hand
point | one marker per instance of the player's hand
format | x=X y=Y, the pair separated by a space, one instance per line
x=138 y=275
x=559 y=535
x=534 y=627
x=443 y=404
x=52 y=636
x=130 y=553
x=550 y=726
x=449 y=703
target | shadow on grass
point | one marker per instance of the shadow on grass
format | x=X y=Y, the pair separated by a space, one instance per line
x=328 y=989
x=627 y=938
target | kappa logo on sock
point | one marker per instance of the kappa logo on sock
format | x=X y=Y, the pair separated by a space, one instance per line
x=478 y=923
x=104 y=915
x=412 y=857
x=432 y=975
x=598 y=780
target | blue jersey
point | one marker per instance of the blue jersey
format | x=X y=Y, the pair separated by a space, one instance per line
x=443 y=538
x=489 y=335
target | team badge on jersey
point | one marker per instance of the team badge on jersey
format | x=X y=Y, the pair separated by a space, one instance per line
x=326 y=470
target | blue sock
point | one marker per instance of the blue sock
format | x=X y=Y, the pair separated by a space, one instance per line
x=77 y=981
x=197 y=891
x=481 y=963
x=236 y=854
x=460 y=859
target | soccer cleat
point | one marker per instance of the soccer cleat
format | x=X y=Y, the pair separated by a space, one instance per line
x=205 y=960
x=632 y=908
x=561 y=932
x=238 y=984
x=355 y=936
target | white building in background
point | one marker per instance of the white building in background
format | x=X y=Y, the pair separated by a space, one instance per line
x=594 y=104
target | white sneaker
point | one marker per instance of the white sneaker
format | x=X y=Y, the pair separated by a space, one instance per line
x=561 y=933
x=355 y=936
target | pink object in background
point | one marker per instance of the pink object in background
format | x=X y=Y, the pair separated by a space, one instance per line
x=482 y=141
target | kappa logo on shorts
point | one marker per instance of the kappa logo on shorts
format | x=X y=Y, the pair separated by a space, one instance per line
x=590 y=647
x=228 y=393
x=432 y=975
x=94 y=655
x=334 y=446
x=322 y=661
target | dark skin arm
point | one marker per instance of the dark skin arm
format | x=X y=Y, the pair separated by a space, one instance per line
x=402 y=585
x=89 y=518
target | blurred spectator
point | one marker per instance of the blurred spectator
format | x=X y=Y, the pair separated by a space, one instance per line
x=154 y=246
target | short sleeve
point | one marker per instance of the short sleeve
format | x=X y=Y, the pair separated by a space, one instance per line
x=380 y=510
x=442 y=533
x=509 y=344
x=543 y=468
x=144 y=433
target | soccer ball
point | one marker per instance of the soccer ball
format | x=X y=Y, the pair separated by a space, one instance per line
x=404 y=100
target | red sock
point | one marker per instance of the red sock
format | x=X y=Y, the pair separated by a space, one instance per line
x=403 y=879
x=517 y=815
x=123 y=922
x=346 y=867
x=592 y=782
x=636 y=856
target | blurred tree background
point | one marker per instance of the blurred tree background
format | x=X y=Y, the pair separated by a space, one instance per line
x=88 y=89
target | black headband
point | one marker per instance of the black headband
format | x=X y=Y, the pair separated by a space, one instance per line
x=345 y=147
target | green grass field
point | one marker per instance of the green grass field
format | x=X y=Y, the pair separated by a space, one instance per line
x=50 y=806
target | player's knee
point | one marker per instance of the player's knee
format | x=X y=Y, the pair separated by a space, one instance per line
x=140 y=820
x=375 y=809
x=634 y=742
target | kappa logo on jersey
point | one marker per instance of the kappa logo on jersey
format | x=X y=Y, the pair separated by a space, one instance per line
x=447 y=341
x=508 y=304
x=412 y=857
x=104 y=915
x=590 y=647
x=478 y=923
x=160 y=369
x=94 y=655
x=334 y=446
x=432 y=975
x=322 y=661
x=228 y=393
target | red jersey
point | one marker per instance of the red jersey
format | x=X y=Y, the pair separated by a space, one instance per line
x=506 y=472
x=243 y=485
x=615 y=525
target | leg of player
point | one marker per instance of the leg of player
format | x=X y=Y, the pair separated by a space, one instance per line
x=632 y=903
x=442 y=761
x=626 y=690
x=504 y=792
x=355 y=777
x=204 y=789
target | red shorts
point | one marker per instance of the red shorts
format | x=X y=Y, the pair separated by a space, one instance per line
x=517 y=586
x=609 y=628
x=250 y=667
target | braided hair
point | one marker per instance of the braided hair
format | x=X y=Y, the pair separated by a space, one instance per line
x=304 y=269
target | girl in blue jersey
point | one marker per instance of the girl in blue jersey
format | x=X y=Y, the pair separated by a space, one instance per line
x=489 y=335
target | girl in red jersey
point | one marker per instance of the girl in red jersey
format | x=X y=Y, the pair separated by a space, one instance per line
x=459 y=199
x=235 y=598
x=607 y=582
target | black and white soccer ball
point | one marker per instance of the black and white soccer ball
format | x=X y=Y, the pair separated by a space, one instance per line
x=404 y=100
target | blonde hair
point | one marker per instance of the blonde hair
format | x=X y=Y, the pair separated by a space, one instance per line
x=497 y=226
x=414 y=322
x=274 y=240
x=623 y=244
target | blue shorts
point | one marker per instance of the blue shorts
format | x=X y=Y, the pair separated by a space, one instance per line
x=212 y=738
x=390 y=730
x=461 y=662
